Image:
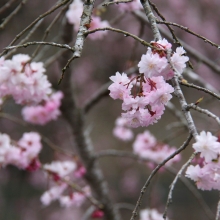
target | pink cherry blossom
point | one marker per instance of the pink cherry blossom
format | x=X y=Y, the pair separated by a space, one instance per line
x=152 y=64
x=23 y=154
x=179 y=60
x=75 y=199
x=123 y=133
x=207 y=145
x=97 y=214
x=42 y=114
x=148 y=148
x=143 y=142
x=24 y=81
x=59 y=168
x=53 y=194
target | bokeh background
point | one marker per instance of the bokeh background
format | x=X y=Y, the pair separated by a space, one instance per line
x=20 y=191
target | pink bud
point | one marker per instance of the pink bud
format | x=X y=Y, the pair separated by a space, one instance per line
x=97 y=213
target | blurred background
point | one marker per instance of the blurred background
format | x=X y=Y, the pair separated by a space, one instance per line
x=20 y=191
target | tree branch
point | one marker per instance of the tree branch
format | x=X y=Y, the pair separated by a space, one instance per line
x=143 y=190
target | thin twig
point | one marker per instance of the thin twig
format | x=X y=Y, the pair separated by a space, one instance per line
x=54 y=8
x=127 y=206
x=218 y=209
x=53 y=58
x=184 y=83
x=47 y=31
x=44 y=138
x=117 y=2
x=39 y=43
x=138 y=204
x=186 y=182
x=189 y=31
x=12 y=14
x=178 y=114
x=79 y=189
x=199 y=80
x=6 y=5
x=31 y=32
x=204 y=111
x=175 y=39
x=126 y=34
x=195 y=193
x=169 y=199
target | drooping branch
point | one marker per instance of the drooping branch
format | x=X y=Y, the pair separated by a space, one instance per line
x=185 y=181
x=143 y=190
x=179 y=94
x=189 y=31
x=169 y=199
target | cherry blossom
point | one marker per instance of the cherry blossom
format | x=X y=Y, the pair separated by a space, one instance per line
x=42 y=114
x=144 y=107
x=24 y=81
x=60 y=168
x=146 y=146
x=121 y=130
x=23 y=154
x=207 y=145
x=75 y=199
x=52 y=194
x=155 y=63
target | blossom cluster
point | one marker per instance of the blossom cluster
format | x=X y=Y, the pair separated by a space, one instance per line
x=23 y=80
x=147 y=106
x=58 y=171
x=121 y=130
x=147 y=147
x=74 y=14
x=145 y=96
x=206 y=174
x=23 y=153
x=42 y=114
x=155 y=63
